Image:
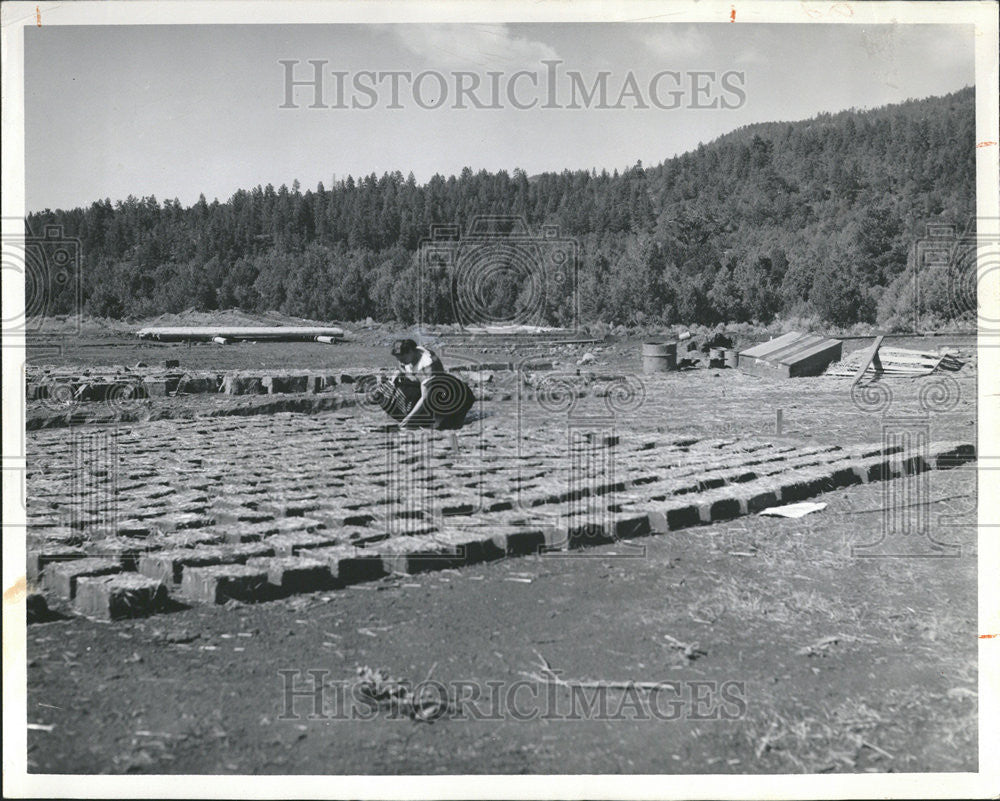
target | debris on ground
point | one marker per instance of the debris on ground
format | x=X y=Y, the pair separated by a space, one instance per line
x=899 y=362
x=794 y=510
x=546 y=675
x=689 y=650
x=398 y=697
x=819 y=646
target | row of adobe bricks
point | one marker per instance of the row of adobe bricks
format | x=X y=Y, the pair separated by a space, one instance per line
x=107 y=588
x=102 y=387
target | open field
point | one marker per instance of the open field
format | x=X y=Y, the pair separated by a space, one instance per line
x=601 y=526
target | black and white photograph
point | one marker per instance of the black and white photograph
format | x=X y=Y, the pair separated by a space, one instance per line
x=536 y=400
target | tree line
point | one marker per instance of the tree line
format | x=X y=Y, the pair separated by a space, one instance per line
x=815 y=218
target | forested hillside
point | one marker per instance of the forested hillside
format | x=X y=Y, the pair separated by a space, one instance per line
x=816 y=217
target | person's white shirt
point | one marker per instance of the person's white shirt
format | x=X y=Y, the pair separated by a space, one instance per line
x=425 y=366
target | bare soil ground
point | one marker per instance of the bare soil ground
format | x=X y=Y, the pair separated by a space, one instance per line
x=831 y=662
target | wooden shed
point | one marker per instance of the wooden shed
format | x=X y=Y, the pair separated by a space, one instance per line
x=791 y=355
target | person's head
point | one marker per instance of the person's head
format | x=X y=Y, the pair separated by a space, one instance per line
x=405 y=350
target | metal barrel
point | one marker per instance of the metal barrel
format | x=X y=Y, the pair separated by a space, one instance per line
x=732 y=357
x=659 y=357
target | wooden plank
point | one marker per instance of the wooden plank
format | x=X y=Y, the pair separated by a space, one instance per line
x=872 y=358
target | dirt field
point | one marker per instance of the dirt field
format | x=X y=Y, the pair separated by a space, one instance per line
x=775 y=647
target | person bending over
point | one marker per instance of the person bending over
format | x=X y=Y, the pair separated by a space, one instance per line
x=423 y=394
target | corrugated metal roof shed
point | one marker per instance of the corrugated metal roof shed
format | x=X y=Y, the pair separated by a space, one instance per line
x=791 y=355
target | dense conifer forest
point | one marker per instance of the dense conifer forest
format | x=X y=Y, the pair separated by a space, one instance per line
x=815 y=218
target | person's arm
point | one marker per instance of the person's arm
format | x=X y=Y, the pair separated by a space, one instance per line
x=416 y=406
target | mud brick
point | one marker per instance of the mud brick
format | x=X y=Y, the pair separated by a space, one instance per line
x=197 y=384
x=146 y=513
x=912 y=464
x=154 y=491
x=350 y=565
x=408 y=528
x=285 y=383
x=358 y=517
x=800 y=485
x=294 y=574
x=180 y=521
x=94 y=390
x=238 y=513
x=240 y=517
x=716 y=508
x=631 y=524
x=755 y=501
x=191 y=538
x=416 y=555
x=518 y=540
x=556 y=535
x=868 y=451
x=218 y=584
x=471 y=545
x=234 y=534
x=242 y=385
x=843 y=476
x=289 y=525
x=366 y=537
x=190 y=498
x=292 y=544
x=242 y=492
x=457 y=504
x=290 y=507
x=38 y=560
x=119 y=596
x=944 y=456
x=588 y=530
x=168 y=566
x=122 y=549
x=85 y=521
x=241 y=552
x=870 y=469
x=36 y=609
x=671 y=517
x=55 y=535
x=61 y=577
x=154 y=388
x=132 y=527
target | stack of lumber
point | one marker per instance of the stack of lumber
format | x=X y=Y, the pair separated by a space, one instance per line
x=897 y=362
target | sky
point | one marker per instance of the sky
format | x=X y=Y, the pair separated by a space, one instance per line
x=175 y=111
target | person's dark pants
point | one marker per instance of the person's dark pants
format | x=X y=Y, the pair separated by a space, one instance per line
x=448 y=401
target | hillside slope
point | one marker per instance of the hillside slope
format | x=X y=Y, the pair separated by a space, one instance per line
x=775 y=219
